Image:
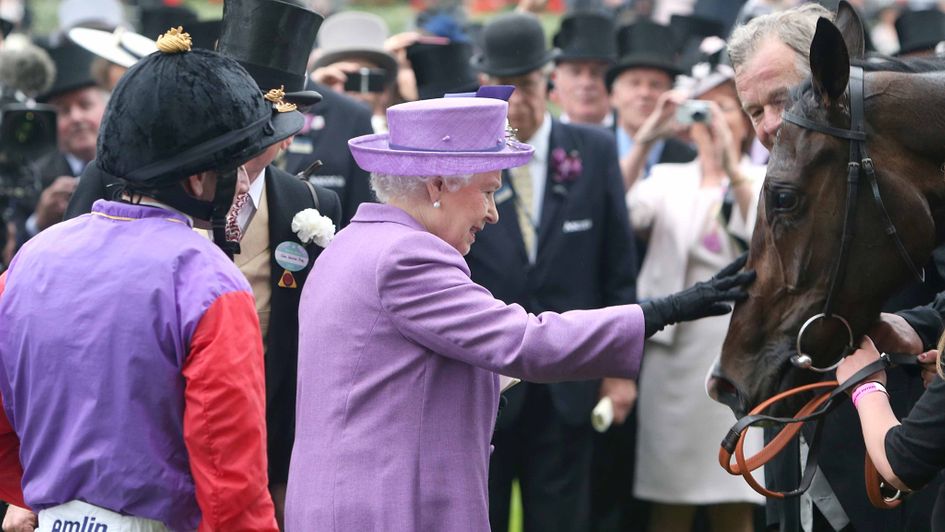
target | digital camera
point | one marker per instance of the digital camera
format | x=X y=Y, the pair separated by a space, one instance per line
x=693 y=111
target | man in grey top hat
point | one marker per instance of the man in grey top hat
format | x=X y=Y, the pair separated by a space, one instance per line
x=563 y=242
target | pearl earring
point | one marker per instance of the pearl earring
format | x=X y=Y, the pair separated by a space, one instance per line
x=436 y=204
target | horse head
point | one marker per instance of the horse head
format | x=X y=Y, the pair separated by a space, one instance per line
x=799 y=237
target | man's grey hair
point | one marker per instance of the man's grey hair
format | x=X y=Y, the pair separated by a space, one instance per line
x=387 y=187
x=794 y=27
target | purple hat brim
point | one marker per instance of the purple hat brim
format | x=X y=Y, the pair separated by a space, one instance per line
x=373 y=154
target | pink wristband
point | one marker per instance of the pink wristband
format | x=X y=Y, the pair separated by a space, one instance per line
x=865 y=389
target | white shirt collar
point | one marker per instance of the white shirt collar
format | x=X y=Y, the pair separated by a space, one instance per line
x=541 y=139
x=75 y=164
x=256 y=188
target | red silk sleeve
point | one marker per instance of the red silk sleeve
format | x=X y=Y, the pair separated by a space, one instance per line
x=11 y=471
x=225 y=417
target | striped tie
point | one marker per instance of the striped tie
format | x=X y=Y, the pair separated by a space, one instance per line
x=522 y=183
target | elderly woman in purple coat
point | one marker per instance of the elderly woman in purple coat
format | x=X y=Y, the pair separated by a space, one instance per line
x=400 y=352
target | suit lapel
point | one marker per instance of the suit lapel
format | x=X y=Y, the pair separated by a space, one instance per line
x=556 y=194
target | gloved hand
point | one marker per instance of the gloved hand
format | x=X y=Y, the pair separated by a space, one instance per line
x=703 y=299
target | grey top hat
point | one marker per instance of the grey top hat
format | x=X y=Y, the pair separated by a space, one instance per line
x=354 y=35
x=512 y=45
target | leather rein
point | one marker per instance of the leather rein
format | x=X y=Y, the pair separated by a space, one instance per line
x=859 y=166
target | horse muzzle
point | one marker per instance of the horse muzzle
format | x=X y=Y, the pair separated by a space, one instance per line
x=723 y=390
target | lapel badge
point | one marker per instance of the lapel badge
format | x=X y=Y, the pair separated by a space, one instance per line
x=292 y=257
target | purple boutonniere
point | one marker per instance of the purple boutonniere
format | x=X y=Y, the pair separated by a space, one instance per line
x=566 y=166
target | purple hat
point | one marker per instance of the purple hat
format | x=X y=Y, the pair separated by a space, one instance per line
x=442 y=136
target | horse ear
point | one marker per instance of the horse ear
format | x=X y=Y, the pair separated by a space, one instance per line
x=829 y=62
x=848 y=20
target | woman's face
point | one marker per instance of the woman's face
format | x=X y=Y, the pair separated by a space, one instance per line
x=738 y=123
x=465 y=212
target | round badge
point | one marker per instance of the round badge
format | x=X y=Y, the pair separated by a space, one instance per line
x=291 y=256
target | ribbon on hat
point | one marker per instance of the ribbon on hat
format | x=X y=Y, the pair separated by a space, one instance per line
x=277 y=97
x=174 y=41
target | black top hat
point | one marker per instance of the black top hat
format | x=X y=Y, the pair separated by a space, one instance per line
x=154 y=21
x=272 y=40
x=179 y=113
x=920 y=30
x=442 y=68
x=205 y=33
x=586 y=35
x=644 y=44
x=73 y=70
x=6 y=26
x=689 y=31
x=512 y=45
x=687 y=28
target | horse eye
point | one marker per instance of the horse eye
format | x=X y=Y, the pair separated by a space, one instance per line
x=785 y=200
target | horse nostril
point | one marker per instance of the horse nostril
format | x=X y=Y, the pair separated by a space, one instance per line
x=722 y=390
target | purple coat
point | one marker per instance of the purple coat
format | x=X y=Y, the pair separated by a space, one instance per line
x=398 y=389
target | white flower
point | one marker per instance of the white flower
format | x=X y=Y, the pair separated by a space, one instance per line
x=311 y=226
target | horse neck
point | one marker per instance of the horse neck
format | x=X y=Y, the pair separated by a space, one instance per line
x=907 y=114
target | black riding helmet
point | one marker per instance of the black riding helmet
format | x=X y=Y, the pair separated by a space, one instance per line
x=179 y=112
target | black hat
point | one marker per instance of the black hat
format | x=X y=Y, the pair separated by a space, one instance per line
x=688 y=33
x=586 y=35
x=920 y=30
x=177 y=113
x=73 y=70
x=272 y=40
x=512 y=45
x=154 y=21
x=6 y=26
x=205 y=33
x=442 y=68
x=644 y=44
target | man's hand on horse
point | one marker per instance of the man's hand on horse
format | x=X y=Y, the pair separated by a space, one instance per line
x=893 y=334
x=708 y=298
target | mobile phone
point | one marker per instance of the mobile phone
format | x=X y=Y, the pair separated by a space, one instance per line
x=692 y=111
x=366 y=80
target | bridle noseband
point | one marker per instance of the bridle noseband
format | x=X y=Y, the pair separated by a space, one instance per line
x=859 y=165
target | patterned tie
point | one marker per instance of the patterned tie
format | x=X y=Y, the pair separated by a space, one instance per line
x=522 y=183
x=232 y=229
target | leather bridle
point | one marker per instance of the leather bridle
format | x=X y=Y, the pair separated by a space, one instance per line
x=859 y=167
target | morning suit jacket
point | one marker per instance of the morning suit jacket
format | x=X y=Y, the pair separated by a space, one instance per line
x=287 y=195
x=585 y=256
x=329 y=125
x=52 y=166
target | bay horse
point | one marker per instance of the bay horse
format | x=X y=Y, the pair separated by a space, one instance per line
x=822 y=258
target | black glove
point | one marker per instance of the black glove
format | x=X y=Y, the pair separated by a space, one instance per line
x=707 y=298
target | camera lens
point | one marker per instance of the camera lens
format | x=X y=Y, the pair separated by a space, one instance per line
x=699 y=116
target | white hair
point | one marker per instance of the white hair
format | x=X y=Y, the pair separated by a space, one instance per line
x=794 y=27
x=387 y=186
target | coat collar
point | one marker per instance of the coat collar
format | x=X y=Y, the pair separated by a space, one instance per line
x=379 y=212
